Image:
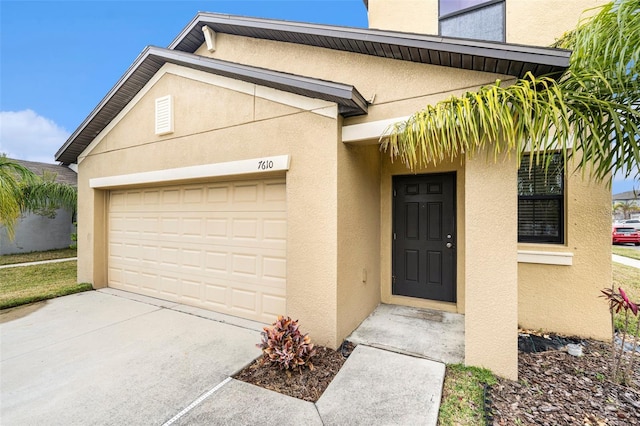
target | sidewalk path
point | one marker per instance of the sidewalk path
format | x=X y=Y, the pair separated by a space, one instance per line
x=15 y=265
x=626 y=260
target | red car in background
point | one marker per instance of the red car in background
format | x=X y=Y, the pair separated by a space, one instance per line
x=625 y=234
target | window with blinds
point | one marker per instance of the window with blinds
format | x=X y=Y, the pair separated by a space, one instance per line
x=541 y=201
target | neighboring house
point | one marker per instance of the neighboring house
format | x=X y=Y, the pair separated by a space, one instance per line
x=47 y=230
x=628 y=204
x=239 y=170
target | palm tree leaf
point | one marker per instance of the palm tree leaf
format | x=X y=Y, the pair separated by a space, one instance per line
x=592 y=112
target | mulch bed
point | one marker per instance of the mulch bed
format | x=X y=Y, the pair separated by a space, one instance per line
x=555 y=388
x=306 y=384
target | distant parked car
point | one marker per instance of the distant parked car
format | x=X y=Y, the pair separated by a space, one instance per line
x=625 y=234
x=632 y=222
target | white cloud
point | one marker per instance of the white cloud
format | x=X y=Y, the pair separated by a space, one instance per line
x=25 y=135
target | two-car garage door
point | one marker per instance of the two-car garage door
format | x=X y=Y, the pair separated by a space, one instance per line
x=220 y=246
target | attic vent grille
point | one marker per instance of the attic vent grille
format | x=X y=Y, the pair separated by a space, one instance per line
x=164 y=115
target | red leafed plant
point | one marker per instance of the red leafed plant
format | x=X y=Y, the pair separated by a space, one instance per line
x=620 y=302
x=285 y=346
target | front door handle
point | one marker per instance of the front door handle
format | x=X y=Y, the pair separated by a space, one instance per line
x=449 y=245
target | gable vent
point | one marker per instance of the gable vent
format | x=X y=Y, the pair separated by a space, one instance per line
x=164 y=115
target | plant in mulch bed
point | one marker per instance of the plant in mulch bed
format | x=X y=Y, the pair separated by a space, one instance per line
x=283 y=345
x=621 y=366
x=285 y=348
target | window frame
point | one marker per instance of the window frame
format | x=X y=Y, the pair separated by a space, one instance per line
x=561 y=198
x=467 y=9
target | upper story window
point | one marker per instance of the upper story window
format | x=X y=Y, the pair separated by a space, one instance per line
x=474 y=19
x=541 y=202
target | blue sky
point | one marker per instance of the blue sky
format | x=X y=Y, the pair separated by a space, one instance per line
x=59 y=58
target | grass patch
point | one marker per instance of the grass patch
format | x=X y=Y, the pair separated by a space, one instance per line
x=462 y=395
x=11 y=259
x=628 y=278
x=626 y=251
x=27 y=284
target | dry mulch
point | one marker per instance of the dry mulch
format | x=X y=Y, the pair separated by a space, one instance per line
x=555 y=388
x=305 y=384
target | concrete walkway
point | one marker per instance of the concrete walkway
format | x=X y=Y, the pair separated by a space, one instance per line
x=40 y=262
x=434 y=335
x=110 y=357
x=626 y=261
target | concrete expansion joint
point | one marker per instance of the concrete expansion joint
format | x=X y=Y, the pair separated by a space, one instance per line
x=319 y=415
x=400 y=351
x=183 y=309
x=197 y=402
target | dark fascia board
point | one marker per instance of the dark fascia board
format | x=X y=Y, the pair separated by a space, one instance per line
x=368 y=41
x=350 y=102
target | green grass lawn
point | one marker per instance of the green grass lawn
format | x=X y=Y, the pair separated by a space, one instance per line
x=628 y=278
x=462 y=395
x=11 y=259
x=626 y=251
x=27 y=284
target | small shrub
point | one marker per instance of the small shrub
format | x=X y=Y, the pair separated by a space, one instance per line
x=285 y=346
x=620 y=302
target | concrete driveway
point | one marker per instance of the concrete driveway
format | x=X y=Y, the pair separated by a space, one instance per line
x=113 y=358
x=97 y=358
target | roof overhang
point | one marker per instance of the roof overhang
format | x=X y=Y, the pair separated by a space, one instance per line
x=350 y=102
x=486 y=56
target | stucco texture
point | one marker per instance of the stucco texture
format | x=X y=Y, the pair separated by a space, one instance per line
x=205 y=133
x=393 y=88
x=491 y=281
x=537 y=23
x=409 y=16
x=542 y=22
x=358 y=235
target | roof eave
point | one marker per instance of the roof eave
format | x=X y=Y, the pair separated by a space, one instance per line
x=368 y=41
x=350 y=102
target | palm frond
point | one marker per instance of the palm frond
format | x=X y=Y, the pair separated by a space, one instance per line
x=21 y=190
x=11 y=176
x=592 y=111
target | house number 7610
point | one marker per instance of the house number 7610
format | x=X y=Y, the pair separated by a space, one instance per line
x=265 y=165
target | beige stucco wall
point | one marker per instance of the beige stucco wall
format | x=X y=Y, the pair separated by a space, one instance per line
x=541 y=22
x=409 y=16
x=491 y=280
x=396 y=88
x=532 y=22
x=206 y=132
x=565 y=299
x=358 y=235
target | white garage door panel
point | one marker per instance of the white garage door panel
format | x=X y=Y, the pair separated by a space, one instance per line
x=238 y=229
x=220 y=246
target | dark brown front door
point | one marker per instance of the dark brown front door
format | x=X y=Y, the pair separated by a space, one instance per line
x=424 y=236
